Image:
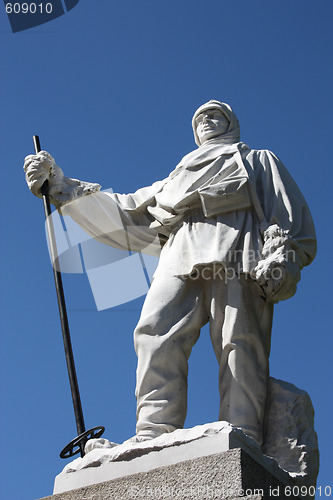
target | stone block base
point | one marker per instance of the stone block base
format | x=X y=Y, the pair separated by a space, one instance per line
x=231 y=475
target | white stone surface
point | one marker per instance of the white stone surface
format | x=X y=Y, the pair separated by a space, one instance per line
x=290 y=446
x=103 y=464
x=291 y=439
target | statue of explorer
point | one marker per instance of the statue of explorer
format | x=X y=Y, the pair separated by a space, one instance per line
x=235 y=233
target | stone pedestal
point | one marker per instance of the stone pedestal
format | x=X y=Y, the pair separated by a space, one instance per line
x=229 y=475
x=210 y=461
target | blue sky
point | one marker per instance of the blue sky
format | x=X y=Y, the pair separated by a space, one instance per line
x=110 y=88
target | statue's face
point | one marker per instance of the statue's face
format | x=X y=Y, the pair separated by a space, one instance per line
x=210 y=124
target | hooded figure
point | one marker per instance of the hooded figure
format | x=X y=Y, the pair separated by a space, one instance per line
x=235 y=232
x=232 y=134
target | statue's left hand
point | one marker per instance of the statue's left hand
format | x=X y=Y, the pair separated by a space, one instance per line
x=278 y=271
x=278 y=280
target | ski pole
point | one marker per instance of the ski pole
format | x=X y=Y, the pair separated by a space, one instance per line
x=78 y=443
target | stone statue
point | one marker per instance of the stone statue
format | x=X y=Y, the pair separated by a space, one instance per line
x=235 y=233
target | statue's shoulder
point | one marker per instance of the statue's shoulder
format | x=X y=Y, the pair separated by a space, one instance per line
x=261 y=162
x=257 y=152
x=263 y=157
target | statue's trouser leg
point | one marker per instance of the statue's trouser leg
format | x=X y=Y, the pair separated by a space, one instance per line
x=170 y=323
x=240 y=325
x=169 y=326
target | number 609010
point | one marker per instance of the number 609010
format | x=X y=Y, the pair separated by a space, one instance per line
x=31 y=8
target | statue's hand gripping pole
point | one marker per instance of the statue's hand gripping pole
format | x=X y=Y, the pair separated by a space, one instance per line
x=77 y=444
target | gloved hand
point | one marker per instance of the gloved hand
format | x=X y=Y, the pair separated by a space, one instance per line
x=41 y=167
x=278 y=272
